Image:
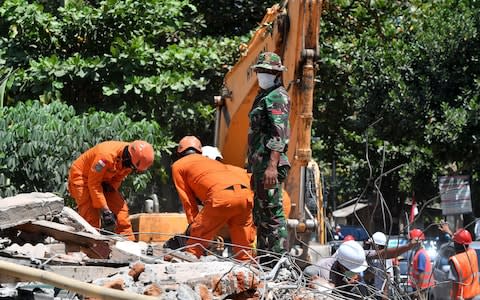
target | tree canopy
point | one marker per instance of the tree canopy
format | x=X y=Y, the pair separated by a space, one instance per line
x=399 y=88
x=396 y=104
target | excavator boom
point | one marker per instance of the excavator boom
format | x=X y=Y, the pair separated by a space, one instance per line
x=290 y=29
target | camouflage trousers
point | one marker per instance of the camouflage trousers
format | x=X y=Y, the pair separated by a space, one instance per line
x=269 y=216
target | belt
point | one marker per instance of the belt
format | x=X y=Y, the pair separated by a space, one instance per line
x=236 y=187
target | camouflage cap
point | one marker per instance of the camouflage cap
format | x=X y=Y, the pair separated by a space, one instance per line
x=269 y=61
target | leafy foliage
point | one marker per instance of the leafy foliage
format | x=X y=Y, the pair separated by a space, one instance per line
x=41 y=141
x=232 y=17
x=399 y=87
x=398 y=84
x=141 y=57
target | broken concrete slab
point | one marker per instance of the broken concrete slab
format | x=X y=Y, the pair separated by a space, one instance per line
x=72 y=218
x=224 y=278
x=134 y=248
x=92 y=245
x=53 y=253
x=213 y=279
x=23 y=208
x=28 y=250
x=84 y=273
x=82 y=288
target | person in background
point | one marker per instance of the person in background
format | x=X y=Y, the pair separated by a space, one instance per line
x=421 y=272
x=379 y=256
x=224 y=196
x=380 y=270
x=213 y=153
x=477 y=229
x=342 y=270
x=338 y=235
x=95 y=177
x=268 y=137
x=464 y=267
x=330 y=219
x=445 y=235
x=330 y=225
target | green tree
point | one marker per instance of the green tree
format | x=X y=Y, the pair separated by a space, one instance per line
x=39 y=143
x=232 y=17
x=145 y=58
x=399 y=84
x=109 y=60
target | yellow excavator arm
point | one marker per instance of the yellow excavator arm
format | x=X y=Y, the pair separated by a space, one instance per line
x=290 y=29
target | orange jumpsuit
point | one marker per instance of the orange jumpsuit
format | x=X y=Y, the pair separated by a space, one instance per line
x=287 y=202
x=226 y=198
x=101 y=164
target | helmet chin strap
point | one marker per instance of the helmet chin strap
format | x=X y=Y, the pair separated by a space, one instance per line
x=126 y=159
x=188 y=152
x=459 y=247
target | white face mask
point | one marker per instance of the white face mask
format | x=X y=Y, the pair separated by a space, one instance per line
x=265 y=80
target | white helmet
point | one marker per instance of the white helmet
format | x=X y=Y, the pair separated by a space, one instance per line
x=211 y=152
x=379 y=238
x=352 y=256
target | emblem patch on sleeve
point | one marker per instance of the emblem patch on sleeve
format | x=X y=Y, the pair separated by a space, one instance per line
x=99 y=166
x=276 y=112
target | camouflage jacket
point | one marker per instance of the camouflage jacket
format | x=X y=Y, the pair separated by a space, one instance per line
x=269 y=128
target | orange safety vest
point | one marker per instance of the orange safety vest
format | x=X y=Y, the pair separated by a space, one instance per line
x=422 y=280
x=466 y=265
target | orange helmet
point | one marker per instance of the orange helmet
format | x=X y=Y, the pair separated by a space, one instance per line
x=141 y=155
x=189 y=141
x=416 y=234
x=462 y=237
x=348 y=237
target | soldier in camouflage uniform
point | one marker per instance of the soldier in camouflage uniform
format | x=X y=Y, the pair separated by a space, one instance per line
x=268 y=138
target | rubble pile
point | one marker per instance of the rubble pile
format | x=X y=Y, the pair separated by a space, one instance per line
x=47 y=251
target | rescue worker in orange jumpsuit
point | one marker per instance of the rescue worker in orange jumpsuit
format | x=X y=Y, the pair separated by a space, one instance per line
x=95 y=178
x=214 y=153
x=464 y=267
x=421 y=271
x=225 y=198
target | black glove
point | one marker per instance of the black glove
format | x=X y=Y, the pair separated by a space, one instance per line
x=108 y=219
x=178 y=241
x=175 y=242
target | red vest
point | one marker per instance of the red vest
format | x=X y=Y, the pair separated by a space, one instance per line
x=466 y=265
x=422 y=280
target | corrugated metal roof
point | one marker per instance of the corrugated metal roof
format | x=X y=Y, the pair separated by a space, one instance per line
x=348 y=210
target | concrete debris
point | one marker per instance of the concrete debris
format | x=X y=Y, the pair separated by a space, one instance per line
x=70 y=217
x=92 y=245
x=135 y=248
x=28 y=250
x=84 y=273
x=24 y=208
x=60 y=256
